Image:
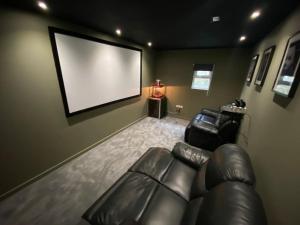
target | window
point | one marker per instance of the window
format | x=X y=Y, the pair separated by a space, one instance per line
x=202 y=76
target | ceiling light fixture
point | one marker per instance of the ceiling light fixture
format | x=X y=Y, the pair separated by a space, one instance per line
x=149 y=44
x=118 y=32
x=243 y=38
x=215 y=19
x=42 y=5
x=255 y=14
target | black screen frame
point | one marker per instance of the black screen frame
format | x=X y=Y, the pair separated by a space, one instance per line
x=52 y=32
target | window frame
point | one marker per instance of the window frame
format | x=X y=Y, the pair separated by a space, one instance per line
x=203 y=67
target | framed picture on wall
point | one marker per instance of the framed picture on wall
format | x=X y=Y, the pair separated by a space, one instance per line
x=251 y=69
x=288 y=75
x=264 y=66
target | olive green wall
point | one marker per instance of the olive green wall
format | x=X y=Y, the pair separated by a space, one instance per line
x=175 y=69
x=35 y=133
x=272 y=135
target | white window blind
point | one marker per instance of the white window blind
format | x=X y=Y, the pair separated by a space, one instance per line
x=202 y=76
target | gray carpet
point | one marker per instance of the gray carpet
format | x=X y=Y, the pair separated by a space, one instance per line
x=61 y=197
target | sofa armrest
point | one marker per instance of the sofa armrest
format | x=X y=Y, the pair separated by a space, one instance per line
x=210 y=112
x=205 y=127
x=194 y=157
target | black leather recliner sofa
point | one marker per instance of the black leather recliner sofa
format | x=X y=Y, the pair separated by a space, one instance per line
x=209 y=129
x=188 y=186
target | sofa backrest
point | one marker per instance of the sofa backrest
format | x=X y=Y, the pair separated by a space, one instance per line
x=229 y=162
x=231 y=203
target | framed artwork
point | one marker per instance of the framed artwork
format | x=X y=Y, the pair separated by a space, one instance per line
x=251 y=69
x=288 y=75
x=264 y=66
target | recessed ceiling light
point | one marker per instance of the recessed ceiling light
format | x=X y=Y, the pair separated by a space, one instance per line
x=42 y=5
x=255 y=14
x=215 y=19
x=243 y=38
x=118 y=32
x=149 y=44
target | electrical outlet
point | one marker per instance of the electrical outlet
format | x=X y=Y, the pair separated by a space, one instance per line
x=179 y=108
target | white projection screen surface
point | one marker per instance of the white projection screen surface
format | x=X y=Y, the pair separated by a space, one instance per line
x=94 y=72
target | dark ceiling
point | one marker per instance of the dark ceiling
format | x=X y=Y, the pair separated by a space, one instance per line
x=172 y=24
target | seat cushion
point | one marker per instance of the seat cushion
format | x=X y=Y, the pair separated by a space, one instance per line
x=229 y=162
x=154 y=163
x=165 y=208
x=137 y=198
x=231 y=203
x=161 y=165
x=179 y=178
x=125 y=200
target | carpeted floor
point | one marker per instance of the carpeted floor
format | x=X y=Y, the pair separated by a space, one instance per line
x=61 y=197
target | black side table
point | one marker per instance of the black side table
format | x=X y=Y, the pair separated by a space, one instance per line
x=157 y=107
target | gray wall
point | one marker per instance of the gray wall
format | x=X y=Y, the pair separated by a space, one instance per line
x=174 y=68
x=272 y=135
x=35 y=134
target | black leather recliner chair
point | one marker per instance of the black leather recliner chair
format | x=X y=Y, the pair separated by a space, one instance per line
x=210 y=128
x=188 y=186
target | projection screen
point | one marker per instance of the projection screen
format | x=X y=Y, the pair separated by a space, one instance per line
x=94 y=72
